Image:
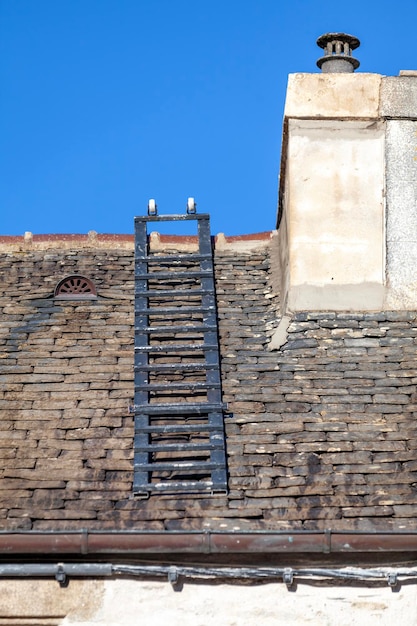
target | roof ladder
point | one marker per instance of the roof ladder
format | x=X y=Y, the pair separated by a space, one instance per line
x=179 y=431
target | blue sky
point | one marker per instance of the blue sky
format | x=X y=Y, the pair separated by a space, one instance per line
x=106 y=103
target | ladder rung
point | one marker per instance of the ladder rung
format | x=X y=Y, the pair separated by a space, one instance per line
x=177 y=408
x=179 y=447
x=176 y=275
x=173 y=367
x=192 y=386
x=164 y=310
x=200 y=328
x=181 y=429
x=177 y=348
x=173 y=217
x=184 y=466
x=173 y=293
x=186 y=485
x=173 y=258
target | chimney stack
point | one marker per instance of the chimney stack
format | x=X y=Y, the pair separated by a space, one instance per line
x=347 y=221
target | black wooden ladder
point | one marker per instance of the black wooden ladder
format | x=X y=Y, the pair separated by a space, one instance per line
x=179 y=431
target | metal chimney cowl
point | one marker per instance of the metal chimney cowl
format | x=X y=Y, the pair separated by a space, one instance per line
x=338 y=53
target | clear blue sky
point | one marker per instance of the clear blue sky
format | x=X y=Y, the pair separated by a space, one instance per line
x=106 y=103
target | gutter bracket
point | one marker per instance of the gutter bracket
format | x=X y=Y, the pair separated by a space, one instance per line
x=60 y=575
x=173 y=575
x=288 y=576
x=206 y=539
x=327 y=541
x=392 y=579
x=84 y=541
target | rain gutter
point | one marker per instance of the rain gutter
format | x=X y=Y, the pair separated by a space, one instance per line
x=159 y=544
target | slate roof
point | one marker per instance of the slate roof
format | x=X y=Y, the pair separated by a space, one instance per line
x=320 y=433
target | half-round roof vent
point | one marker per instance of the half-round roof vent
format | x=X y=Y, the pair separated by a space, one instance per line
x=75 y=287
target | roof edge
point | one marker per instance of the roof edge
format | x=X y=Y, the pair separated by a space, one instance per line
x=29 y=241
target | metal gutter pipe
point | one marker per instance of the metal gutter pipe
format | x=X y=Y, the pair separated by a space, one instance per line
x=136 y=543
x=29 y=570
x=62 y=571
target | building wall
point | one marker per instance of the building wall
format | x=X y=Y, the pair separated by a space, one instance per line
x=154 y=603
x=401 y=176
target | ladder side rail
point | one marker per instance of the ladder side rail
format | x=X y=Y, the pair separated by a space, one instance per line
x=141 y=359
x=213 y=377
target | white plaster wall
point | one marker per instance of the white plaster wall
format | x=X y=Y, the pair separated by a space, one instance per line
x=335 y=214
x=336 y=176
x=401 y=154
x=331 y=95
x=129 y=602
x=42 y=602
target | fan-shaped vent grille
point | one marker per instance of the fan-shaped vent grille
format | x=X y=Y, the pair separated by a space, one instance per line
x=75 y=287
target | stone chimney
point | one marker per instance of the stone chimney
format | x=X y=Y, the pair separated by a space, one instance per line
x=347 y=212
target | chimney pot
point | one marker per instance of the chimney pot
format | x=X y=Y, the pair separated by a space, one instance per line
x=338 y=53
